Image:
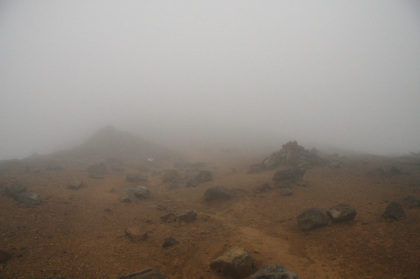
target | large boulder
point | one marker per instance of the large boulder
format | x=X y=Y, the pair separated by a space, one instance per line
x=29 y=199
x=15 y=189
x=283 y=178
x=394 y=211
x=217 y=193
x=275 y=271
x=149 y=273
x=136 y=234
x=235 y=262
x=97 y=171
x=342 y=213
x=311 y=218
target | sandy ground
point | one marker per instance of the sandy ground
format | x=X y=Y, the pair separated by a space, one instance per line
x=81 y=233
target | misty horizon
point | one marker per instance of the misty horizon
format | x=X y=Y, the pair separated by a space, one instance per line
x=342 y=75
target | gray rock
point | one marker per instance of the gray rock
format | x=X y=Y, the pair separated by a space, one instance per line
x=15 y=189
x=187 y=217
x=235 y=262
x=217 y=193
x=29 y=199
x=126 y=198
x=311 y=218
x=170 y=241
x=394 y=211
x=75 y=184
x=342 y=213
x=170 y=176
x=149 y=273
x=275 y=271
x=141 y=192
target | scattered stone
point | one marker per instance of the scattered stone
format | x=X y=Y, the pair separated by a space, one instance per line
x=342 y=213
x=161 y=207
x=75 y=184
x=394 y=211
x=170 y=241
x=29 y=199
x=275 y=271
x=4 y=256
x=15 y=189
x=217 y=193
x=168 y=218
x=286 y=191
x=262 y=188
x=125 y=198
x=187 y=217
x=149 y=273
x=135 y=178
x=285 y=177
x=411 y=201
x=311 y=219
x=235 y=262
x=136 y=234
x=170 y=176
x=139 y=192
x=97 y=171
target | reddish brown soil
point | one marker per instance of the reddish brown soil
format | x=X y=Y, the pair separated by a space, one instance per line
x=80 y=233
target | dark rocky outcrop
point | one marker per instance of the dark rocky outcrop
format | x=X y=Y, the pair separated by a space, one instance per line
x=136 y=234
x=187 y=217
x=217 y=193
x=275 y=271
x=394 y=211
x=283 y=178
x=138 y=192
x=149 y=273
x=342 y=213
x=235 y=262
x=311 y=219
x=168 y=218
x=201 y=177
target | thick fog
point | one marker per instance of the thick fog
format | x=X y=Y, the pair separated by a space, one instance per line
x=330 y=73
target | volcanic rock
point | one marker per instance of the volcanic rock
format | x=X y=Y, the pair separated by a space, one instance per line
x=311 y=218
x=75 y=184
x=15 y=189
x=29 y=199
x=170 y=241
x=217 y=193
x=342 y=213
x=149 y=273
x=394 y=211
x=275 y=271
x=187 y=217
x=235 y=262
x=135 y=234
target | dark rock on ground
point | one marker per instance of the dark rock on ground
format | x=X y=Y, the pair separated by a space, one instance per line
x=97 y=171
x=289 y=175
x=135 y=234
x=15 y=189
x=138 y=192
x=411 y=201
x=168 y=218
x=4 y=256
x=29 y=199
x=275 y=271
x=170 y=176
x=311 y=218
x=170 y=241
x=75 y=184
x=342 y=213
x=135 y=178
x=149 y=273
x=262 y=188
x=201 y=177
x=187 y=217
x=235 y=262
x=394 y=211
x=286 y=191
x=217 y=193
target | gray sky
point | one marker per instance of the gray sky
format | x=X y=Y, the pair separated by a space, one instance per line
x=340 y=73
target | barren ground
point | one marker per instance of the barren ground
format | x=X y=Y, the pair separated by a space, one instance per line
x=80 y=233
